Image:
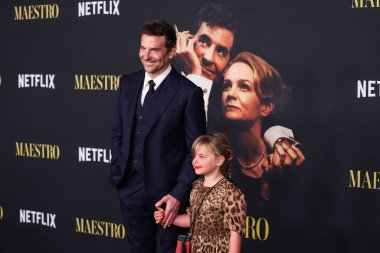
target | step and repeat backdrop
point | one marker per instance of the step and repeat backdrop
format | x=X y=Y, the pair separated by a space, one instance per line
x=60 y=67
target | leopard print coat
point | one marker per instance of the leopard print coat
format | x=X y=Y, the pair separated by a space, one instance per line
x=223 y=210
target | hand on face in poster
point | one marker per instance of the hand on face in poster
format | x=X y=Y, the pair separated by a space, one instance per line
x=171 y=209
x=185 y=54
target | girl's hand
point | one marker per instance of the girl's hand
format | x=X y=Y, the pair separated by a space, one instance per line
x=159 y=215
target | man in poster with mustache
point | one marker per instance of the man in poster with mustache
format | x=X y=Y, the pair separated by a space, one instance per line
x=202 y=57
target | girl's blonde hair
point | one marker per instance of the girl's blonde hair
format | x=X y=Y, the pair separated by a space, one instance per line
x=220 y=146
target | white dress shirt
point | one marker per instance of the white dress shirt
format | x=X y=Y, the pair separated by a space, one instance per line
x=203 y=83
x=157 y=81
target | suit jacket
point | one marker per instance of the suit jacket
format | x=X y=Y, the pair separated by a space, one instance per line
x=178 y=119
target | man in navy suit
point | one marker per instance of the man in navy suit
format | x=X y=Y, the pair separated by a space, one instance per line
x=159 y=113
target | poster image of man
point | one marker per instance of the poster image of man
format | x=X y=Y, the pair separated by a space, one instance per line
x=204 y=55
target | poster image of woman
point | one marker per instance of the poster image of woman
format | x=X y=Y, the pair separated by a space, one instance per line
x=252 y=90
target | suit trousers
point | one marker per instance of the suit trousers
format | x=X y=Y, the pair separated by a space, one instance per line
x=139 y=222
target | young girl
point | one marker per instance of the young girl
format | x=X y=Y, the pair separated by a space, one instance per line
x=217 y=206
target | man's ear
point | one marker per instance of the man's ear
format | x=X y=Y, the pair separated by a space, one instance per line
x=171 y=52
x=266 y=109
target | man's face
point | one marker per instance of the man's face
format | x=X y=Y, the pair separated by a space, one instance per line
x=213 y=48
x=154 y=55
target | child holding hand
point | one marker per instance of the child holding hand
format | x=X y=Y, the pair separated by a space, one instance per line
x=216 y=216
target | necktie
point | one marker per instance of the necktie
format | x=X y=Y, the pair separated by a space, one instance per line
x=150 y=91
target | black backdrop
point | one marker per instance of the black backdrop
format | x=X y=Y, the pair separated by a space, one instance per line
x=323 y=49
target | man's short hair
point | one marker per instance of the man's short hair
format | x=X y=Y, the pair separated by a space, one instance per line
x=160 y=28
x=216 y=15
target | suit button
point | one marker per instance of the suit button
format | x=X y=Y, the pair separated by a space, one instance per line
x=138 y=132
x=136 y=147
x=140 y=117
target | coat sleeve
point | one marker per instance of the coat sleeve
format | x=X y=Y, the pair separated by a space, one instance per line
x=195 y=125
x=117 y=131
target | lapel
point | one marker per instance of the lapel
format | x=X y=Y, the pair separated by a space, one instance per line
x=132 y=93
x=168 y=92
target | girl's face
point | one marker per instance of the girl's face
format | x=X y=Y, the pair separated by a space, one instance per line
x=205 y=162
x=239 y=98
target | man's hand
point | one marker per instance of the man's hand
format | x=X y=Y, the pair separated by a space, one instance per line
x=185 y=54
x=284 y=156
x=171 y=209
